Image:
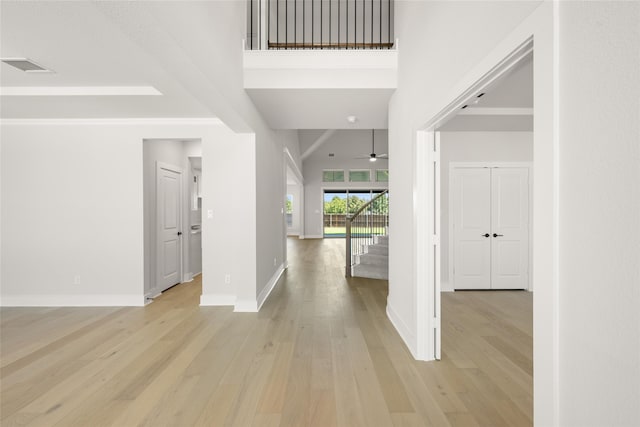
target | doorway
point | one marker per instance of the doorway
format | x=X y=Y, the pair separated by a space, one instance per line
x=172 y=213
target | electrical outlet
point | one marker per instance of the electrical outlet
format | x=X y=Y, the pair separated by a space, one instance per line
x=76 y=280
x=209 y=214
x=227 y=279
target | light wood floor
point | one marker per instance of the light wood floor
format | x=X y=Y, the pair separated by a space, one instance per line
x=320 y=352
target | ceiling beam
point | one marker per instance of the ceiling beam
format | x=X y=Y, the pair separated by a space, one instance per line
x=475 y=111
x=318 y=143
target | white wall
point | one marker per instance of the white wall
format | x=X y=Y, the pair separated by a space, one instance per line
x=474 y=147
x=172 y=33
x=72 y=206
x=439 y=43
x=79 y=210
x=599 y=214
x=346 y=145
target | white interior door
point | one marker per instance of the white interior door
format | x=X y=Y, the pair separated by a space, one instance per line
x=471 y=200
x=509 y=228
x=169 y=253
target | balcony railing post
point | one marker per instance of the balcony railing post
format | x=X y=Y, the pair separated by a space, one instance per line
x=348 y=247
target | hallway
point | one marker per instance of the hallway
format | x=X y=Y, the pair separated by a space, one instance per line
x=320 y=352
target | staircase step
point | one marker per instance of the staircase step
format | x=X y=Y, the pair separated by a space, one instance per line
x=370 y=258
x=371 y=271
x=378 y=249
x=381 y=240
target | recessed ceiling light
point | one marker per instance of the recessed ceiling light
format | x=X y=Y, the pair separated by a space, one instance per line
x=26 y=65
x=352 y=119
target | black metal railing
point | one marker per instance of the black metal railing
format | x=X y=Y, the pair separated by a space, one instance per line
x=320 y=24
x=364 y=227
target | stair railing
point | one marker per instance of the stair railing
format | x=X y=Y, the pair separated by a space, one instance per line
x=371 y=220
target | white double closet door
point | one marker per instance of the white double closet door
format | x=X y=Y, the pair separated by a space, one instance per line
x=490 y=213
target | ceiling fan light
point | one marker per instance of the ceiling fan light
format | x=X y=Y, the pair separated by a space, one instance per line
x=372 y=158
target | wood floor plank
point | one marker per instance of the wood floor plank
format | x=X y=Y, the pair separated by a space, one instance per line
x=321 y=352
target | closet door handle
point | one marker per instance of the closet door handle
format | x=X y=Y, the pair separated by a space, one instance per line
x=486 y=235
x=497 y=235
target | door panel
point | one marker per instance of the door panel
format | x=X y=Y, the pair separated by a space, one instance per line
x=169 y=226
x=471 y=210
x=510 y=224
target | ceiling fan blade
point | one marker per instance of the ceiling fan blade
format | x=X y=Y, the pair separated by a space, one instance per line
x=382 y=156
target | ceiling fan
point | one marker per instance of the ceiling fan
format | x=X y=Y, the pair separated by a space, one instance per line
x=373 y=156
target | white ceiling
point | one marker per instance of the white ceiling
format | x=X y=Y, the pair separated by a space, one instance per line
x=84 y=48
x=323 y=108
x=511 y=97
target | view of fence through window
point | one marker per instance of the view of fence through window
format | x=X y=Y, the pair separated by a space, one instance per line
x=339 y=203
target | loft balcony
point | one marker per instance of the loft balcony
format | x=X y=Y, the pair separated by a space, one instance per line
x=311 y=63
x=320 y=24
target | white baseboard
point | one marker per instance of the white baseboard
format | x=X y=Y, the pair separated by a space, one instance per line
x=246 y=306
x=301 y=237
x=446 y=287
x=187 y=277
x=266 y=291
x=217 y=300
x=252 y=306
x=405 y=333
x=314 y=236
x=72 y=300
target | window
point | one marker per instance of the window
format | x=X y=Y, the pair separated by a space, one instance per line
x=359 y=175
x=382 y=175
x=332 y=176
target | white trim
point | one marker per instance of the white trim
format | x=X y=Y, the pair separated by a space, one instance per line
x=271 y=284
x=217 y=300
x=246 y=306
x=79 y=91
x=187 y=277
x=312 y=236
x=463 y=96
x=404 y=332
x=115 y=121
x=496 y=112
x=108 y=300
x=291 y=162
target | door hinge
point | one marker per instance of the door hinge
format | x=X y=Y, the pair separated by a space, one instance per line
x=435 y=239
x=436 y=323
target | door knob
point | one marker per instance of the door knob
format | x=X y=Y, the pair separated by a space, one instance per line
x=179 y=233
x=486 y=235
x=497 y=235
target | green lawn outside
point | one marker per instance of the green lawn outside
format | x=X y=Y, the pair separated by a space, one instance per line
x=354 y=230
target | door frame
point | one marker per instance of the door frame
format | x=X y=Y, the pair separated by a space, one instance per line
x=427 y=187
x=166 y=166
x=462 y=165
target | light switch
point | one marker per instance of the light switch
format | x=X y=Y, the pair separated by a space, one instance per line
x=209 y=214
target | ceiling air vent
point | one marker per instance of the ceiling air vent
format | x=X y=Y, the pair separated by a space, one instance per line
x=25 y=65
